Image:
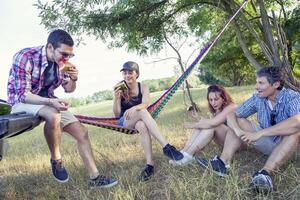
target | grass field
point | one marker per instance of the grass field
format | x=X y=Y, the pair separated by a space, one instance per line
x=25 y=170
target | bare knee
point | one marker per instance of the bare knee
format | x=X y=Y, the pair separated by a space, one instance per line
x=53 y=119
x=141 y=127
x=245 y=124
x=231 y=134
x=77 y=131
x=143 y=113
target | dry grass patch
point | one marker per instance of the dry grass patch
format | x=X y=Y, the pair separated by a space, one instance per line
x=25 y=171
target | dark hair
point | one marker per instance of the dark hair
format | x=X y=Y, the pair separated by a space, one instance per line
x=273 y=74
x=224 y=95
x=58 y=37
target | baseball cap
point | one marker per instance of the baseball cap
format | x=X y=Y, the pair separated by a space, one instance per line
x=131 y=66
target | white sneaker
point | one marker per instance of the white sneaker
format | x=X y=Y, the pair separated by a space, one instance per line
x=187 y=159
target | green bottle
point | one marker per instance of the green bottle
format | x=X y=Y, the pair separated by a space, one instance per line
x=4 y=108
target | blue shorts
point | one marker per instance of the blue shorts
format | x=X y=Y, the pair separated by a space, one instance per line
x=121 y=121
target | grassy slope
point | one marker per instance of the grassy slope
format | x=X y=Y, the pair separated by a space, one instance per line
x=25 y=171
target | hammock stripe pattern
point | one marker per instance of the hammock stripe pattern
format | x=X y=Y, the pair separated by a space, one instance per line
x=108 y=123
x=155 y=108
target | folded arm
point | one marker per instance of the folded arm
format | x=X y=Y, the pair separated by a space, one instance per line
x=286 y=127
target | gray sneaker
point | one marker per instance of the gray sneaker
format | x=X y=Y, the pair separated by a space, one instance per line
x=262 y=182
x=102 y=182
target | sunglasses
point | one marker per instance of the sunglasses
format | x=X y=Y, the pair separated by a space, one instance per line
x=66 y=55
x=272 y=117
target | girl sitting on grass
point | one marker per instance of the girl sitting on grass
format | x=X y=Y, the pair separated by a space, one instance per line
x=130 y=104
x=205 y=130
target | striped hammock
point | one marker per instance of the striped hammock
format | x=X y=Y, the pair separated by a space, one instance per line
x=155 y=108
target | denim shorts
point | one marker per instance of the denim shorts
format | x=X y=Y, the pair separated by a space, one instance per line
x=121 y=121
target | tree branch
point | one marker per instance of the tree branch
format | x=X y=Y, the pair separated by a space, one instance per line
x=268 y=34
x=161 y=59
x=182 y=69
x=246 y=51
x=267 y=52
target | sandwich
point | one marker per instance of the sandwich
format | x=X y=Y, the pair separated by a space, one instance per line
x=121 y=86
x=67 y=68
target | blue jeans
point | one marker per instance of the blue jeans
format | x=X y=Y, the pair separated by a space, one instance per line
x=121 y=121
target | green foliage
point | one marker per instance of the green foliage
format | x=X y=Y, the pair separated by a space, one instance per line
x=194 y=81
x=206 y=19
x=207 y=77
x=156 y=85
x=226 y=65
x=102 y=96
x=297 y=73
x=292 y=25
x=292 y=30
x=74 y=102
x=141 y=26
x=138 y=24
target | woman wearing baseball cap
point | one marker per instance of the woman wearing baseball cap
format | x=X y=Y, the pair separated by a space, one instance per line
x=130 y=104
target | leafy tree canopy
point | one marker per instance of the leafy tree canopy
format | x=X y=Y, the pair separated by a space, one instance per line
x=265 y=27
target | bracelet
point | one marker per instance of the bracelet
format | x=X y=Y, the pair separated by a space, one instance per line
x=74 y=79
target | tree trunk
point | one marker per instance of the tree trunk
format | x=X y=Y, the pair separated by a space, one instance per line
x=273 y=44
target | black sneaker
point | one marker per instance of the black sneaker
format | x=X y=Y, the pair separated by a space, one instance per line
x=215 y=164
x=58 y=170
x=172 y=152
x=147 y=173
x=102 y=182
x=262 y=182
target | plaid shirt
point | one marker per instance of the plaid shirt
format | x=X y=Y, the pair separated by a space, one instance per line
x=287 y=105
x=27 y=74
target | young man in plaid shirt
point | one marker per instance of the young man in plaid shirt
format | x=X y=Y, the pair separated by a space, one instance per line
x=35 y=73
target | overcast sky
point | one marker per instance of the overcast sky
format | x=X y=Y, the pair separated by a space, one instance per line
x=98 y=66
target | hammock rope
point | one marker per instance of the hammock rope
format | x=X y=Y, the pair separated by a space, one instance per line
x=155 y=108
